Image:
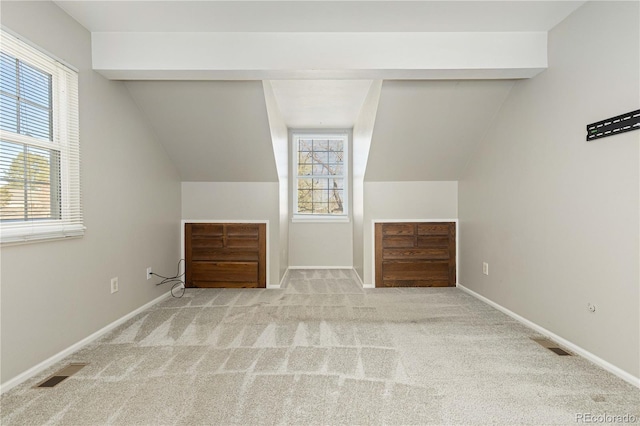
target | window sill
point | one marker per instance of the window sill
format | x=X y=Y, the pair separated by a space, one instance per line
x=319 y=219
x=11 y=235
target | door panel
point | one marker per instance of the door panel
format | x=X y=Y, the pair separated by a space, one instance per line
x=225 y=271
x=242 y=242
x=204 y=241
x=225 y=255
x=415 y=270
x=421 y=254
x=416 y=253
x=429 y=241
x=207 y=229
x=393 y=241
x=433 y=228
x=398 y=229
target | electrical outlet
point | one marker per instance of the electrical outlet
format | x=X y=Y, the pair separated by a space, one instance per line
x=114 y=285
x=591 y=308
x=149 y=273
x=485 y=268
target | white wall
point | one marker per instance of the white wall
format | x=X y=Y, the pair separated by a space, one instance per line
x=280 y=142
x=404 y=200
x=362 y=133
x=233 y=201
x=321 y=244
x=324 y=244
x=55 y=294
x=556 y=217
x=358 y=227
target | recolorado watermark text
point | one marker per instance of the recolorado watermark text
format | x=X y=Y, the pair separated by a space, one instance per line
x=605 y=418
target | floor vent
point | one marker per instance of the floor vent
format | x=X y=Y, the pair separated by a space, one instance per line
x=559 y=351
x=552 y=346
x=59 y=376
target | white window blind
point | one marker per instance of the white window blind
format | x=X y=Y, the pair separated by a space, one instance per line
x=321 y=178
x=40 y=195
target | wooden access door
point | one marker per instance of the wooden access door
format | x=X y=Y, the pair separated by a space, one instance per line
x=421 y=254
x=226 y=255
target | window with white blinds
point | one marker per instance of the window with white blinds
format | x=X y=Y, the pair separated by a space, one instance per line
x=39 y=145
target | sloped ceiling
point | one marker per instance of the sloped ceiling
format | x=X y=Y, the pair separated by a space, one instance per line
x=428 y=130
x=214 y=131
x=218 y=130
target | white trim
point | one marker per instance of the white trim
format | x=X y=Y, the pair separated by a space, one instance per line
x=362 y=282
x=64 y=140
x=39 y=233
x=265 y=221
x=320 y=267
x=317 y=218
x=40 y=49
x=26 y=375
x=627 y=377
x=284 y=277
x=294 y=136
x=358 y=276
x=373 y=242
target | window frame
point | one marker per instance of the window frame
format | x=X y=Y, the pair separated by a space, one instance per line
x=65 y=141
x=296 y=135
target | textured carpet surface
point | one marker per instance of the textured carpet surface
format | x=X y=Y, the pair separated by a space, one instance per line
x=322 y=351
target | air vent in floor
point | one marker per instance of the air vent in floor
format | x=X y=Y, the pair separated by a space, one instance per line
x=552 y=346
x=559 y=351
x=59 y=376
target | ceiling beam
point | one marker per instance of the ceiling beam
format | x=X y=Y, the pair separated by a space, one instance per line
x=259 y=56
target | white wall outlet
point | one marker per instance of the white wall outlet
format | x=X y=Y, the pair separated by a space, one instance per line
x=591 y=308
x=114 y=285
x=485 y=268
x=149 y=273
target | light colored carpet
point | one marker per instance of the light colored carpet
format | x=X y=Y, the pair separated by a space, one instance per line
x=322 y=351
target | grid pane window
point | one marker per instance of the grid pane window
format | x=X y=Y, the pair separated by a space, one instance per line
x=320 y=174
x=26 y=99
x=40 y=191
x=29 y=182
x=29 y=174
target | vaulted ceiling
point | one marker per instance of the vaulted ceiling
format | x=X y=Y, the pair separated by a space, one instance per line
x=429 y=130
x=214 y=131
x=446 y=68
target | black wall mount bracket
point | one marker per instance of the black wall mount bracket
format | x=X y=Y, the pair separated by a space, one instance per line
x=614 y=125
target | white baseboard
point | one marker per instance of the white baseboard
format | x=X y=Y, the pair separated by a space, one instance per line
x=284 y=277
x=277 y=286
x=26 y=375
x=358 y=277
x=320 y=267
x=627 y=377
x=362 y=282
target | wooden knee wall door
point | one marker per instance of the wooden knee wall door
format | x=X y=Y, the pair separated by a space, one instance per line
x=226 y=255
x=421 y=254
